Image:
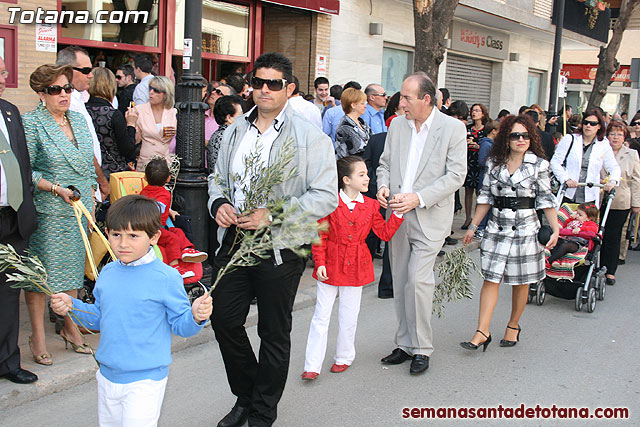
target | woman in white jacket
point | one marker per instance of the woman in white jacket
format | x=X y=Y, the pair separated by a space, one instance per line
x=579 y=157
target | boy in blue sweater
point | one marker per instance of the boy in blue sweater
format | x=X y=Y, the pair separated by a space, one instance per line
x=139 y=302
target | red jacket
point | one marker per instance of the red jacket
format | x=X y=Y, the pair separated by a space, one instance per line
x=343 y=250
x=162 y=196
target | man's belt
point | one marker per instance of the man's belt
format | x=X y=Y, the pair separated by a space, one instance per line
x=502 y=202
x=6 y=210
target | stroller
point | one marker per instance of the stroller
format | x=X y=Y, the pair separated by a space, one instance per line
x=123 y=183
x=583 y=277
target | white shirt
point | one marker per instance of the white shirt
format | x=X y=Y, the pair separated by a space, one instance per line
x=306 y=109
x=351 y=203
x=249 y=144
x=3 y=185
x=416 y=146
x=141 y=92
x=77 y=105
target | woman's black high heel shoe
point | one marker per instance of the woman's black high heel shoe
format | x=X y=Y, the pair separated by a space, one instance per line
x=507 y=343
x=471 y=346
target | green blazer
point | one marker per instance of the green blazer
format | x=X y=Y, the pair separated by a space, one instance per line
x=56 y=159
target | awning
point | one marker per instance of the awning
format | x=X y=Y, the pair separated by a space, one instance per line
x=588 y=72
x=331 y=7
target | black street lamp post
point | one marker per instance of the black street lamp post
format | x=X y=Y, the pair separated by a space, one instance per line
x=192 y=179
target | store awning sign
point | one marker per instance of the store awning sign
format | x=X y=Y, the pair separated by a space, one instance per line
x=331 y=7
x=588 y=72
x=478 y=40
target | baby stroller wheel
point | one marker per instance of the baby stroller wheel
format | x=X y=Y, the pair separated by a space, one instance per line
x=532 y=292
x=196 y=291
x=602 y=287
x=591 y=301
x=541 y=293
x=579 y=299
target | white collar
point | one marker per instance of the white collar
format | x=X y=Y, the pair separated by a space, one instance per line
x=346 y=199
x=150 y=256
x=426 y=123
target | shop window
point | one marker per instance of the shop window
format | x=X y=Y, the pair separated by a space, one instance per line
x=534 y=85
x=8 y=51
x=397 y=64
x=225 y=28
x=127 y=12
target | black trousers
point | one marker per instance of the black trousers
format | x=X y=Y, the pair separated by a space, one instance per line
x=258 y=384
x=610 y=252
x=385 y=286
x=9 y=299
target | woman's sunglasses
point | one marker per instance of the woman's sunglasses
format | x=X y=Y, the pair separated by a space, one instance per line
x=515 y=136
x=155 y=89
x=57 y=89
x=273 y=84
x=590 y=122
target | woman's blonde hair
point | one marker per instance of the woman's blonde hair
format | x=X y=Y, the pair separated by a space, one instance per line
x=103 y=84
x=351 y=96
x=164 y=84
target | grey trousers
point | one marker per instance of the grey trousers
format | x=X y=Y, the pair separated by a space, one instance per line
x=413 y=257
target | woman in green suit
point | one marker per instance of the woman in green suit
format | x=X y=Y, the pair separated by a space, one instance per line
x=61 y=152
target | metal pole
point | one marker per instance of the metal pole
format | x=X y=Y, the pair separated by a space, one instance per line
x=192 y=179
x=557 y=47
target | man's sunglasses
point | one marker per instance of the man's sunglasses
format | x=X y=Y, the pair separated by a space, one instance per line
x=155 y=89
x=83 y=70
x=515 y=136
x=380 y=94
x=273 y=84
x=590 y=122
x=636 y=123
x=57 y=89
x=118 y=77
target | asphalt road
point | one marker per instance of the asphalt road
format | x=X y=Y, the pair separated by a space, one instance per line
x=565 y=358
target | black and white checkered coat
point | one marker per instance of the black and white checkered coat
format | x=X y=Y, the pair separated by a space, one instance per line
x=509 y=250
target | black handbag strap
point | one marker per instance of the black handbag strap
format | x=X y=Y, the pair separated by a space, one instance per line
x=564 y=163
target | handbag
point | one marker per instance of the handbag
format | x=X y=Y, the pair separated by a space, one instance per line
x=555 y=184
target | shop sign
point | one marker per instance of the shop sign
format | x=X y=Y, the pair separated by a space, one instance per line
x=46 y=37
x=321 y=66
x=479 y=40
x=588 y=72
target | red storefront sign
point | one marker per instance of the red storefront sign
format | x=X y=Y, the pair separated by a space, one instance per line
x=588 y=72
x=331 y=7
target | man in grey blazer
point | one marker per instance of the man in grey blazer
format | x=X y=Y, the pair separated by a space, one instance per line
x=424 y=162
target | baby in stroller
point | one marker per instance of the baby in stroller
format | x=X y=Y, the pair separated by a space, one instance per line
x=576 y=232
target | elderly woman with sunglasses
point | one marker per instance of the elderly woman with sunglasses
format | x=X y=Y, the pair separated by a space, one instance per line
x=627 y=197
x=157 y=121
x=61 y=152
x=580 y=156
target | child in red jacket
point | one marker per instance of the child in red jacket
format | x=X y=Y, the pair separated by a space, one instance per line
x=343 y=265
x=577 y=230
x=173 y=241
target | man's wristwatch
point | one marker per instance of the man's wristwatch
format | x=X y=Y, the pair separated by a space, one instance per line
x=473 y=227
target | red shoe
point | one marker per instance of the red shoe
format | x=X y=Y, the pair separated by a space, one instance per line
x=192 y=255
x=547 y=265
x=338 y=368
x=308 y=376
x=183 y=271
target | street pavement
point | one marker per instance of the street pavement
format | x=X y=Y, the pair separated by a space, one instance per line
x=564 y=358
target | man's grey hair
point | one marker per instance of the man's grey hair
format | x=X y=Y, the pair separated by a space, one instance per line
x=370 y=89
x=67 y=56
x=425 y=86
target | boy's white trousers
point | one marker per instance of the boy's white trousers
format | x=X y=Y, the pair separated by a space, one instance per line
x=348 y=309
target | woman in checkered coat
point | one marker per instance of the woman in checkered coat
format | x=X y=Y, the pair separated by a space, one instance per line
x=516 y=183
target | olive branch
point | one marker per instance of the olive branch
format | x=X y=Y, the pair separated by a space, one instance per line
x=26 y=271
x=456 y=284
x=257 y=182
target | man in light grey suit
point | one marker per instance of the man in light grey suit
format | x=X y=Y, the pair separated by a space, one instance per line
x=424 y=162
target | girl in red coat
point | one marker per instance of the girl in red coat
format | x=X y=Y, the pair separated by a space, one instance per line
x=577 y=230
x=343 y=265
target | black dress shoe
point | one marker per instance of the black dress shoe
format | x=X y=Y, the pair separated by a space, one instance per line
x=441 y=253
x=236 y=417
x=621 y=262
x=396 y=357
x=419 y=364
x=21 y=376
x=610 y=282
x=450 y=241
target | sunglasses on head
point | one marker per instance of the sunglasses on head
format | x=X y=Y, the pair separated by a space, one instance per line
x=273 y=84
x=83 y=70
x=515 y=136
x=155 y=89
x=57 y=89
x=590 y=122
